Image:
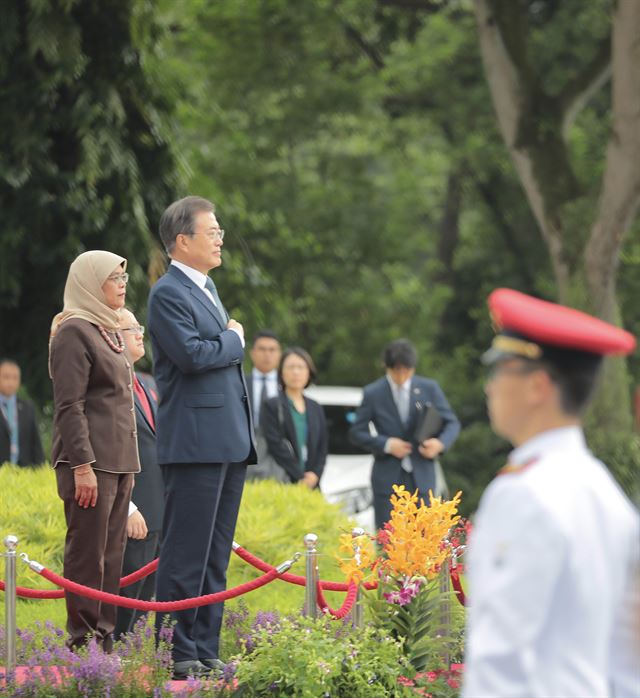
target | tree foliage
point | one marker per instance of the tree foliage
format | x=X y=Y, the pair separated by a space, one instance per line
x=84 y=158
x=354 y=154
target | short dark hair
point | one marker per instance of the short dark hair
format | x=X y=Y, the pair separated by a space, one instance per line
x=180 y=218
x=8 y=360
x=400 y=352
x=265 y=334
x=305 y=356
x=576 y=375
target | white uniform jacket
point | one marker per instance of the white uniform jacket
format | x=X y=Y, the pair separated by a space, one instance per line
x=554 y=579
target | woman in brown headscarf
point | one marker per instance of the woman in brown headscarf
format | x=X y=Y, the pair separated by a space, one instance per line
x=94 y=450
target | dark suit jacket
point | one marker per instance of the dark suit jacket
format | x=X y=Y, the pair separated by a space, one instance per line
x=378 y=406
x=203 y=414
x=248 y=379
x=94 y=419
x=276 y=424
x=29 y=442
x=148 y=494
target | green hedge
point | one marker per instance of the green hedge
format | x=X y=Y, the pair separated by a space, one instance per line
x=273 y=521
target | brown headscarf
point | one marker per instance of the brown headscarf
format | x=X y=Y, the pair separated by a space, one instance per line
x=83 y=295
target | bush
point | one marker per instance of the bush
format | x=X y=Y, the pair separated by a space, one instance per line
x=306 y=658
x=272 y=523
x=138 y=668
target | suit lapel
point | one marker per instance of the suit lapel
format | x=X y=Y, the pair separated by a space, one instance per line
x=202 y=298
x=415 y=397
x=198 y=294
x=248 y=381
x=140 y=408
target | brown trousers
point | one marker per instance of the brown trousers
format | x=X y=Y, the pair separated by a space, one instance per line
x=93 y=552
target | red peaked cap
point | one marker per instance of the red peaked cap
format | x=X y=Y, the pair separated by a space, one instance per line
x=527 y=325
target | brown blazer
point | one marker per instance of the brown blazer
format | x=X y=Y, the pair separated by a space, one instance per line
x=94 y=419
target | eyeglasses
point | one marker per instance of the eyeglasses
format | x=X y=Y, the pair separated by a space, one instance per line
x=136 y=329
x=215 y=234
x=119 y=278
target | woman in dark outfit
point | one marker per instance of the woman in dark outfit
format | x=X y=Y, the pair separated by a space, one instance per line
x=294 y=425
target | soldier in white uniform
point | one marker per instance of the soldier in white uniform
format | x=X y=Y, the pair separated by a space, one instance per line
x=554 y=560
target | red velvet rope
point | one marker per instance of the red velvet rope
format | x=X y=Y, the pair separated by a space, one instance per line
x=126 y=602
x=26 y=593
x=293 y=578
x=136 y=576
x=346 y=606
x=150 y=567
x=457 y=585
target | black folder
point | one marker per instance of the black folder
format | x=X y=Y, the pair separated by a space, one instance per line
x=429 y=423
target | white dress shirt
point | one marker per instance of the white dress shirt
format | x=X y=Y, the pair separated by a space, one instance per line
x=554 y=565
x=200 y=279
x=401 y=396
x=271 y=385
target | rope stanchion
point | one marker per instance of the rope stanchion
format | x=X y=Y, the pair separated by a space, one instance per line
x=10 y=544
x=457 y=586
x=346 y=607
x=126 y=602
x=183 y=604
x=292 y=578
x=357 y=613
x=143 y=572
x=149 y=568
x=27 y=593
x=312 y=574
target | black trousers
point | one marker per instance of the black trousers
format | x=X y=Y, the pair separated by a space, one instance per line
x=382 y=500
x=137 y=554
x=201 y=510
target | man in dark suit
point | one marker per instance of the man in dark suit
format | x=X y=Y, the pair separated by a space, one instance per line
x=19 y=436
x=394 y=404
x=262 y=384
x=147 y=500
x=204 y=429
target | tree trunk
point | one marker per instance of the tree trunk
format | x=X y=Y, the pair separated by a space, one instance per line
x=514 y=90
x=620 y=195
x=534 y=127
x=619 y=201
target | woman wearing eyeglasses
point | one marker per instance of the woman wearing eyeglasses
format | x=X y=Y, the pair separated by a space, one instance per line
x=94 y=451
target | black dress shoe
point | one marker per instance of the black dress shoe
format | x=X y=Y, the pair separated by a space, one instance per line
x=189 y=667
x=214 y=665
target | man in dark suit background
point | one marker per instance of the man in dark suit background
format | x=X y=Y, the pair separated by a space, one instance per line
x=19 y=436
x=147 y=499
x=394 y=404
x=204 y=429
x=262 y=384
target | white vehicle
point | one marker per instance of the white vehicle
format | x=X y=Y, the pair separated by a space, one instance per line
x=347 y=474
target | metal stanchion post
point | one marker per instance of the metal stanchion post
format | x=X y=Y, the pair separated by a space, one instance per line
x=357 y=614
x=10 y=543
x=311 y=564
x=445 y=610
